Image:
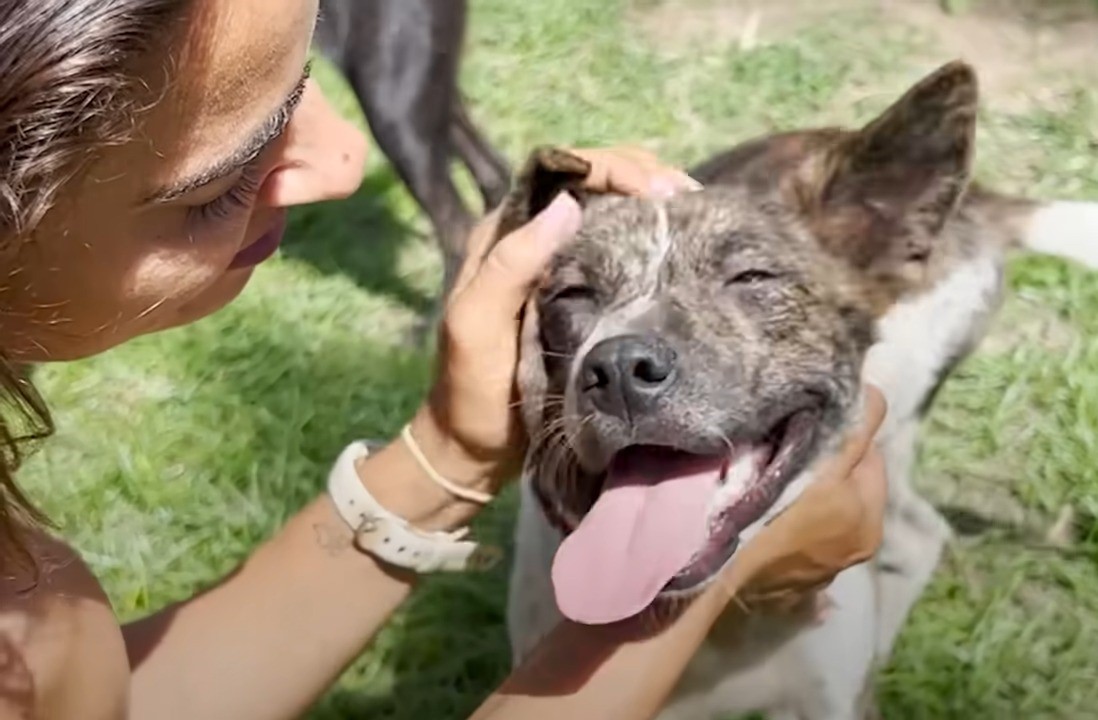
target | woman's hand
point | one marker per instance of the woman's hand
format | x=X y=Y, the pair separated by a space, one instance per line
x=835 y=524
x=469 y=428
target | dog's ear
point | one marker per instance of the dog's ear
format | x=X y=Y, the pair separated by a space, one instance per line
x=531 y=379
x=548 y=171
x=879 y=196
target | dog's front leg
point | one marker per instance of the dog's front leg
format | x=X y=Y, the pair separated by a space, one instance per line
x=915 y=534
x=531 y=606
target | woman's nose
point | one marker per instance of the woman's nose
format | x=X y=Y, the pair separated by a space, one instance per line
x=323 y=156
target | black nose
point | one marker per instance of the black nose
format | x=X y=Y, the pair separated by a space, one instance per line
x=625 y=375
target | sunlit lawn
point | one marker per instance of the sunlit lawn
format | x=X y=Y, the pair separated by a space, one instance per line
x=178 y=453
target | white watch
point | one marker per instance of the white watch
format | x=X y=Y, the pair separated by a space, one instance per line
x=393 y=539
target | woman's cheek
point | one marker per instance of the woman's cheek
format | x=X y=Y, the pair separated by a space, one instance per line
x=174 y=274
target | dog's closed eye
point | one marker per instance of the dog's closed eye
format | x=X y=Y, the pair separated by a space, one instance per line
x=572 y=293
x=751 y=277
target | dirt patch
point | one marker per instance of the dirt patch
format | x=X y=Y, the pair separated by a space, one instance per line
x=1028 y=52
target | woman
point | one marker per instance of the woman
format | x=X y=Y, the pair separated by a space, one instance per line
x=148 y=152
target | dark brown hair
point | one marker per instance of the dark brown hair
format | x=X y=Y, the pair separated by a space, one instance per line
x=68 y=86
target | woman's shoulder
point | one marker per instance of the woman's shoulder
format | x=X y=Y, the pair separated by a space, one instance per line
x=61 y=650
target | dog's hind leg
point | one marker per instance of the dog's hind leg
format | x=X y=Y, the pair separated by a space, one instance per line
x=489 y=169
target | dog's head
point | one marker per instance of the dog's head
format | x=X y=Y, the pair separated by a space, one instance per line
x=684 y=360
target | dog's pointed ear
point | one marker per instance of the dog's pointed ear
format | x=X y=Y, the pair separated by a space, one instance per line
x=548 y=171
x=880 y=195
x=531 y=379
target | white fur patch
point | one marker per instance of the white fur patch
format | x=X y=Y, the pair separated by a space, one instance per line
x=739 y=477
x=1067 y=230
x=736 y=481
x=663 y=239
x=919 y=336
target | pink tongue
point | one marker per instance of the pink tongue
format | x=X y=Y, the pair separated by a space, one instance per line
x=645 y=527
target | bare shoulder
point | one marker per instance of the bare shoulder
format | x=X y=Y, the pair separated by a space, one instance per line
x=61 y=649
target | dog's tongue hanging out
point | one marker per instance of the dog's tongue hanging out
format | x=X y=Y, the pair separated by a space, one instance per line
x=646 y=526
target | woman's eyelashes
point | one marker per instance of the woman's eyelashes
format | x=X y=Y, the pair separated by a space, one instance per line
x=237 y=198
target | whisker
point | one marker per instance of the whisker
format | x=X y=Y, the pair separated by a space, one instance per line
x=728 y=443
x=558 y=443
x=555 y=464
x=548 y=402
x=571 y=466
x=541 y=438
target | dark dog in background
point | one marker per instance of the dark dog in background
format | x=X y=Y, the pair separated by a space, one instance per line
x=402 y=58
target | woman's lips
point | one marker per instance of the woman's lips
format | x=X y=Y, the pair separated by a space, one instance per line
x=261 y=249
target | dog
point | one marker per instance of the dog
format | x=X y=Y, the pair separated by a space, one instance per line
x=402 y=58
x=685 y=363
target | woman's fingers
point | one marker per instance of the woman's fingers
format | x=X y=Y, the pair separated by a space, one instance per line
x=846 y=518
x=495 y=292
x=480 y=241
x=857 y=443
x=633 y=171
x=835 y=524
x=869 y=479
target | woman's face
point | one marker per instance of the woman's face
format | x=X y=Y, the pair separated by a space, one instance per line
x=168 y=227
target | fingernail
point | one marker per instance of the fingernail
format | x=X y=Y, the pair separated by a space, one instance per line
x=560 y=218
x=689 y=184
x=665 y=186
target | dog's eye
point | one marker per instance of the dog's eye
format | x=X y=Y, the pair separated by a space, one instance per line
x=572 y=292
x=750 y=277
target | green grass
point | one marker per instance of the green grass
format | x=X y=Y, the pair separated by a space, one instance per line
x=178 y=453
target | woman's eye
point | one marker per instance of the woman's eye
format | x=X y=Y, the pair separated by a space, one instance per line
x=750 y=277
x=237 y=198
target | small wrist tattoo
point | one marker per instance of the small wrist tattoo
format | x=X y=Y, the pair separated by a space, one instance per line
x=333 y=540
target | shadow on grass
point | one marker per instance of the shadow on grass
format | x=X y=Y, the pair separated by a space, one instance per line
x=447 y=647
x=445 y=652
x=361 y=238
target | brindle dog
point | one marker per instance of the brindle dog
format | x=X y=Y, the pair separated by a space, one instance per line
x=685 y=363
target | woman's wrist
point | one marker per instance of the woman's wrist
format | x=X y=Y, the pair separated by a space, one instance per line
x=399 y=481
x=450 y=458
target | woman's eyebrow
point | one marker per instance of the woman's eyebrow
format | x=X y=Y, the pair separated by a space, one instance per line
x=269 y=131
